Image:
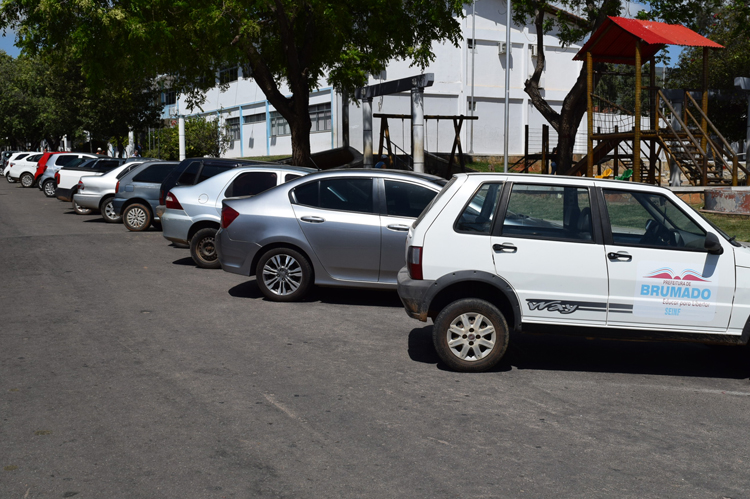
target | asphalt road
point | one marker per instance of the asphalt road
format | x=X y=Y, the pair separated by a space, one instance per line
x=127 y=372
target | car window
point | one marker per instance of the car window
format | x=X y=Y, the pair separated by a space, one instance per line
x=403 y=199
x=291 y=176
x=125 y=171
x=80 y=162
x=445 y=189
x=548 y=212
x=251 y=183
x=105 y=164
x=154 y=174
x=647 y=219
x=209 y=171
x=476 y=218
x=307 y=194
x=347 y=194
x=188 y=176
x=36 y=157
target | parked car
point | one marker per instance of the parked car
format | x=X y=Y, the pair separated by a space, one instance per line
x=97 y=192
x=193 y=212
x=137 y=194
x=333 y=228
x=67 y=177
x=46 y=181
x=41 y=166
x=4 y=157
x=193 y=171
x=598 y=258
x=22 y=170
x=9 y=164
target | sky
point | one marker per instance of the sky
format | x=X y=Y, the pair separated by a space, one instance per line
x=6 y=44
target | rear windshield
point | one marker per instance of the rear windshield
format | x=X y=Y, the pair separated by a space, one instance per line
x=188 y=176
x=209 y=171
x=434 y=200
x=154 y=174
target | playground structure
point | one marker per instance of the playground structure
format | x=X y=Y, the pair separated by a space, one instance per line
x=687 y=139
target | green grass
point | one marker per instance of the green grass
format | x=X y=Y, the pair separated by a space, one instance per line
x=267 y=158
x=734 y=225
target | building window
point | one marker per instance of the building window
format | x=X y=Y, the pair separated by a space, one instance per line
x=169 y=97
x=228 y=75
x=233 y=127
x=255 y=118
x=247 y=71
x=320 y=116
x=279 y=125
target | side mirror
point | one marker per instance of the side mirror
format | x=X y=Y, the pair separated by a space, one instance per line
x=712 y=244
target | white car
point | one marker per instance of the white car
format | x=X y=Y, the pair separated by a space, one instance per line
x=95 y=192
x=23 y=169
x=11 y=160
x=573 y=255
x=67 y=177
x=193 y=212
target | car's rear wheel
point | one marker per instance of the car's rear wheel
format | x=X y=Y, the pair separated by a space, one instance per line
x=136 y=217
x=80 y=209
x=203 y=249
x=108 y=212
x=470 y=335
x=283 y=274
x=49 y=188
x=27 y=179
x=10 y=180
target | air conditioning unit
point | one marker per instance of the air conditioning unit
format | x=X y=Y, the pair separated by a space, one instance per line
x=532 y=49
x=501 y=48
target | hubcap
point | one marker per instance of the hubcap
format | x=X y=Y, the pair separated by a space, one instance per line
x=26 y=181
x=471 y=336
x=49 y=189
x=282 y=274
x=136 y=218
x=109 y=211
x=207 y=249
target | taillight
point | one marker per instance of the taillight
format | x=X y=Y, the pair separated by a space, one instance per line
x=172 y=203
x=414 y=262
x=57 y=177
x=80 y=185
x=117 y=187
x=227 y=216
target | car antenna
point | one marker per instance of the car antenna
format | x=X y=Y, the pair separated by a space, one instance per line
x=315 y=164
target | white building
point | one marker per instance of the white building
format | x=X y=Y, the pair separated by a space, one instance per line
x=259 y=131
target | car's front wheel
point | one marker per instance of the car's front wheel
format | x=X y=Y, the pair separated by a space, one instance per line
x=49 y=188
x=27 y=179
x=108 y=212
x=203 y=249
x=283 y=274
x=470 y=335
x=136 y=217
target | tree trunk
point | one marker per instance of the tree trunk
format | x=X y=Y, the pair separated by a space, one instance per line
x=301 y=139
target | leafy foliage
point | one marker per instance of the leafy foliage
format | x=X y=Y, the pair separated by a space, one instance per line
x=203 y=137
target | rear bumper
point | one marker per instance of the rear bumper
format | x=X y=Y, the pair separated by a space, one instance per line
x=414 y=295
x=87 y=201
x=175 y=225
x=64 y=194
x=235 y=256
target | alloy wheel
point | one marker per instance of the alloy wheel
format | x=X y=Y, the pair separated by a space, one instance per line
x=471 y=336
x=136 y=217
x=282 y=274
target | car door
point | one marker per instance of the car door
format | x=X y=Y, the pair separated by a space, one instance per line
x=403 y=203
x=660 y=274
x=547 y=246
x=338 y=219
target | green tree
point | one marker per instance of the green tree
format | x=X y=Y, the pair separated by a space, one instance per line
x=203 y=137
x=290 y=45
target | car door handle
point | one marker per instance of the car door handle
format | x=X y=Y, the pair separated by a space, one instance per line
x=313 y=220
x=399 y=227
x=505 y=247
x=620 y=255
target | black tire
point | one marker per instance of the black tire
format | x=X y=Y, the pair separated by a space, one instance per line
x=49 y=188
x=27 y=180
x=10 y=180
x=80 y=209
x=477 y=356
x=203 y=249
x=107 y=209
x=137 y=217
x=295 y=279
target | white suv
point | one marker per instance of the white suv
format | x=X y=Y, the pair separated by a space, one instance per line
x=547 y=254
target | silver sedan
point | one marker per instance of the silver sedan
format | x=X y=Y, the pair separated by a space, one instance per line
x=336 y=228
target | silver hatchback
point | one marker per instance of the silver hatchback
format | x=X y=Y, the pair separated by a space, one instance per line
x=336 y=228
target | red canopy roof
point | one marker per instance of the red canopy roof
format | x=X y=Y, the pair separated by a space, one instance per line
x=615 y=39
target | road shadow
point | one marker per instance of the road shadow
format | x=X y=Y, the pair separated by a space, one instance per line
x=569 y=353
x=337 y=296
x=98 y=220
x=179 y=245
x=187 y=261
